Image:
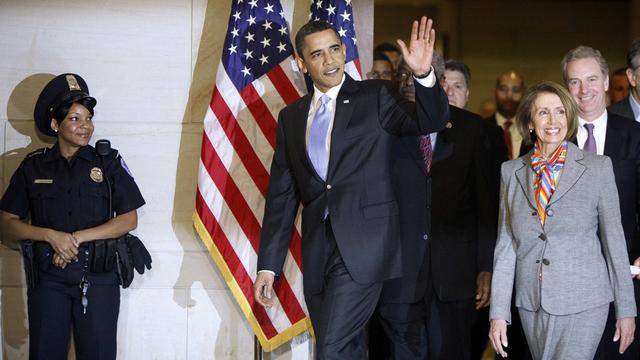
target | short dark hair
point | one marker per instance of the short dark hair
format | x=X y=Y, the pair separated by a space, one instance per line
x=312 y=27
x=524 y=115
x=633 y=56
x=61 y=112
x=453 y=65
x=386 y=46
x=377 y=55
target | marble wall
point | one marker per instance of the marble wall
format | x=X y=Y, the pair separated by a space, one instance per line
x=151 y=65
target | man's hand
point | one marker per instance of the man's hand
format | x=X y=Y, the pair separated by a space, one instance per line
x=483 y=289
x=64 y=244
x=263 y=289
x=625 y=328
x=420 y=52
x=498 y=336
x=637 y=263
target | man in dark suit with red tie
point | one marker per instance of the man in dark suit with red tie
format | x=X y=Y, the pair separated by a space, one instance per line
x=448 y=236
x=601 y=132
x=334 y=155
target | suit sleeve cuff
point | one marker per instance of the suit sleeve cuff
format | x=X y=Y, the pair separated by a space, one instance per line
x=267 y=271
x=429 y=81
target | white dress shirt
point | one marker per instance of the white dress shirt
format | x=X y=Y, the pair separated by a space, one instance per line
x=516 y=138
x=599 y=132
x=429 y=81
x=635 y=107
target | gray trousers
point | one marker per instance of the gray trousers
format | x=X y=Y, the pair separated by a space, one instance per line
x=566 y=337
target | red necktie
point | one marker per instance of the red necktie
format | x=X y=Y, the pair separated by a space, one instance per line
x=425 y=146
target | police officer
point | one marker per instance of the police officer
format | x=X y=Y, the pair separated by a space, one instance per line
x=67 y=191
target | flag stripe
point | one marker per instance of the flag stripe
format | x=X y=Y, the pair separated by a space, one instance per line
x=247 y=222
x=285 y=88
x=237 y=241
x=261 y=113
x=240 y=142
x=241 y=277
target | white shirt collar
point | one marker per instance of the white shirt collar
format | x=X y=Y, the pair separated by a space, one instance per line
x=501 y=119
x=635 y=107
x=332 y=93
x=598 y=123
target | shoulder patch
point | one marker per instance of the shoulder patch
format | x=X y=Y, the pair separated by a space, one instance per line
x=40 y=151
x=125 y=167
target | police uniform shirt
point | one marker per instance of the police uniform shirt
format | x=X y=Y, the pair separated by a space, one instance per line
x=70 y=196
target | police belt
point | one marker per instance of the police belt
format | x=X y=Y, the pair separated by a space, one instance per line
x=104 y=256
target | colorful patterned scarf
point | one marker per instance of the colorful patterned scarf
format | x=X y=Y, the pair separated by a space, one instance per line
x=547 y=172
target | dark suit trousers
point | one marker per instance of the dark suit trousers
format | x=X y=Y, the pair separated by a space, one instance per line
x=429 y=329
x=340 y=312
x=449 y=325
x=607 y=349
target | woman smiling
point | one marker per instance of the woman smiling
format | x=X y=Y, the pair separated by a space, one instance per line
x=560 y=238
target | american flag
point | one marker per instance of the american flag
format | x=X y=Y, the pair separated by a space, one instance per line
x=256 y=78
x=340 y=14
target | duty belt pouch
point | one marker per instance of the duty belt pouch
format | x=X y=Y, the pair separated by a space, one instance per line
x=103 y=255
x=124 y=261
x=27 y=247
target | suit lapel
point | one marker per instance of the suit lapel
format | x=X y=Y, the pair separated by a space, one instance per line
x=444 y=146
x=571 y=172
x=344 y=109
x=614 y=139
x=299 y=131
x=524 y=175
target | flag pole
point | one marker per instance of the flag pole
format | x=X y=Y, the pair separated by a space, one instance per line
x=257 y=349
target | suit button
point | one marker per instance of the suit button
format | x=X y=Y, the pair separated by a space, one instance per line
x=550 y=212
x=534 y=213
x=537 y=261
x=425 y=237
x=542 y=237
x=546 y=261
x=328 y=186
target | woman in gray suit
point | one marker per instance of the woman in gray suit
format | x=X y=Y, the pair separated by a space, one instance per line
x=560 y=238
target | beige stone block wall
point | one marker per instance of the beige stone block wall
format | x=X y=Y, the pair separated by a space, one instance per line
x=151 y=64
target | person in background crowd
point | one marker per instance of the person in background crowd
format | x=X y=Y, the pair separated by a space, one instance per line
x=457 y=78
x=508 y=93
x=392 y=52
x=619 y=87
x=447 y=235
x=382 y=68
x=560 y=238
x=585 y=73
x=629 y=107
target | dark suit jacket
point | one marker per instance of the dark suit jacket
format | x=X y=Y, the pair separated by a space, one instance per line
x=461 y=211
x=358 y=192
x=523 y=147
x=622 y=108
x=622 y=145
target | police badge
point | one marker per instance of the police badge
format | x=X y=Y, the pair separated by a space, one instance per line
x=96 y=175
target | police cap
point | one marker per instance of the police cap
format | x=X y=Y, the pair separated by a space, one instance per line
x=62 y=90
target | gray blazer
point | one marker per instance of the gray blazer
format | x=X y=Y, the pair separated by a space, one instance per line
x=581 y=250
